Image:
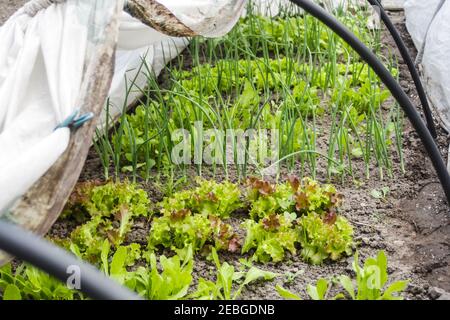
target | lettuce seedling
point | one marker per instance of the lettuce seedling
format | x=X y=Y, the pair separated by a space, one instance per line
x=110 y=209
x=106 y=199
x=28 y=282
x=287 y=294
x=323 y=237
x=225 y=278
x=209 y=199
x=310 y=196
x=317 y=292
x=195 y=217
x=171 y=283
x=266 y=199
x=294 y=196
x=270 y=237
x=182 y=228
x=179 y=230
x=123 y=257
x=371 y=280
x=216 y=199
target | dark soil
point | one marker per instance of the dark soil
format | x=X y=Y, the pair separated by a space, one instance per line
x=411 y=224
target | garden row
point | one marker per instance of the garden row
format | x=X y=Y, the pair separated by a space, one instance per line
x=295 y=215
x=289 y=74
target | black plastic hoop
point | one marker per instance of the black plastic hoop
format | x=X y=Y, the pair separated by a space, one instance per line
x=55 y=261
x=394 y=87
x=411 y=66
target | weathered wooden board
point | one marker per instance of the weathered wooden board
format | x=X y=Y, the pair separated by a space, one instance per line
x=41 y=205
x=39 y=208
x=158 y=17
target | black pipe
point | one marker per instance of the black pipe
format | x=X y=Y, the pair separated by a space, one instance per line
x=55 y=261
x=393 y=86
x=411 y=67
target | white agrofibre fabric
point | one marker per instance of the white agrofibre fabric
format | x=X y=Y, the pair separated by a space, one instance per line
x=43 y=48
x=428 y=22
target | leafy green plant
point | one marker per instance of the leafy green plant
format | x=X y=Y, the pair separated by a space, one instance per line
x=380 y=193
x=226 y=277
x=266 y=199
x=110 y=209
x=209 y=199
x=319 y=229
x=291 y=276
x=271 y=237
x=107 y=199
x=114 y=264
x=28 y=282
x=194 y=217
x=171 y=283
x=296 y=196
x=183 y=228
x=325 y=237
x=318 y=292
x=287 y=294
x=371 y=280
x=12 y=292
x=178 y=230
x=310 y=196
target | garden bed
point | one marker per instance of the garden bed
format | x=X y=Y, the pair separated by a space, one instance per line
x=394 y=202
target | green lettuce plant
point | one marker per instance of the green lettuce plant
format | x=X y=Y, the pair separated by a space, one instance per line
x=171 y=283
x=371 y=283
x=371 y=280
x=297 y=212
x=271 y=237
x=266 y=199
x=325 y=237
x=226 y=278
x=294 y=196
x=110 y=210
x=183 y=228
x=315 y=292
x=28 y=282
x=209 y=199
x=195 y=217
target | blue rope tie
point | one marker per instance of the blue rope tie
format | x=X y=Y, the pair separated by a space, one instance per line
x=74 y=121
